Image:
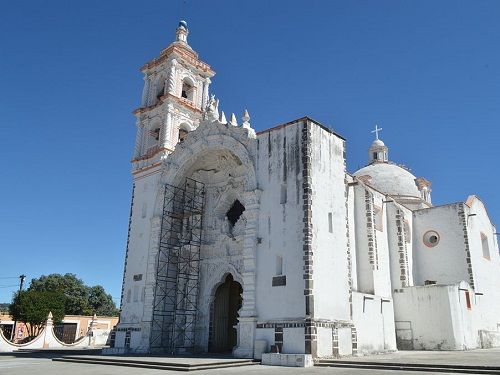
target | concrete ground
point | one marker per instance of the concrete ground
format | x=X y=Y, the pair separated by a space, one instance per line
x=42 y=364
x=478 y=357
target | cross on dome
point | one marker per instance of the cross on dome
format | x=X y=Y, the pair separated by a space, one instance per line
x=376 y=131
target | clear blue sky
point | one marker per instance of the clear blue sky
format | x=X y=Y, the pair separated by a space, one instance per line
x=427 y=72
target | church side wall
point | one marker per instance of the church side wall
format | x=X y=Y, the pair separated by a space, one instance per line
x=330 y=262
x=445 y=262
x=139 y=276
x=486 y=269
x=280 y=285
x=329 y=225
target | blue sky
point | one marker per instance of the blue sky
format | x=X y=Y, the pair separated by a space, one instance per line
x=427 y=72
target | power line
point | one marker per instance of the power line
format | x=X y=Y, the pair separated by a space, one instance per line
x=8 y=286
x=9 y=277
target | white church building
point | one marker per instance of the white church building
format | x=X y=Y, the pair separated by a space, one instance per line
x=245 y=243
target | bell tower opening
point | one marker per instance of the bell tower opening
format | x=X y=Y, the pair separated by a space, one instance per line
x=224 y=317
x=187 y=90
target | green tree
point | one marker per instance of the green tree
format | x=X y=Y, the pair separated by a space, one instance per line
x=32 y=308
x=73 y=288
x=80 y=298
x=100 y=302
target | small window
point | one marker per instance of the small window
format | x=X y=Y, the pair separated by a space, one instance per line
x=467 y=300
x=283 y=194
x=431 y=238
x=407 y=231
x=279 y=265
x=486 y=246
x=330 y=222
x=129 y=295
x=375 y=156
x=136 y=293
x=377 y=218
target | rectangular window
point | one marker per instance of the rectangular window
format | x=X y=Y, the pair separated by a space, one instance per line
x=486 y=247
x=136 y=293
x=378 y=218
x=283 y=194
x=129 y=295
x=467 y=300
x=330 y=222
x=279 y=265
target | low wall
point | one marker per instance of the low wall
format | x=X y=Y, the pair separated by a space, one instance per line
x=489 y=339
x=48 y=340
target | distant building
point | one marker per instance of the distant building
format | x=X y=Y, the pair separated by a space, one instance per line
x=239 y=242
x=69 y=330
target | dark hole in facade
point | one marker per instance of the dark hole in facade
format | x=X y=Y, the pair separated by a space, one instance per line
x=235 y=212
x=184 y=94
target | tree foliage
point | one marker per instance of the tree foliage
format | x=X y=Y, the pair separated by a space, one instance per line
x=32 y=308
x=80 y=298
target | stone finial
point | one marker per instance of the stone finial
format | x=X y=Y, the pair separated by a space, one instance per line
x=50 y=319
x=212 y=109
x=233 y=120
x=246 y=119
x=246 y=124
x=222 y=118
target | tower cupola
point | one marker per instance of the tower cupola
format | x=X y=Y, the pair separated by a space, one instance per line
x=181 y=33
x=378 y=152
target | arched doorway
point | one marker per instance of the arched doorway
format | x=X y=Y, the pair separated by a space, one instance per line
x=224 y=316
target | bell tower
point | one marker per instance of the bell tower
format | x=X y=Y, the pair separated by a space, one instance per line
x=174 y=97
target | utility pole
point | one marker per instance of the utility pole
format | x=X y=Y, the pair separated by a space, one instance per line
x=21 y=283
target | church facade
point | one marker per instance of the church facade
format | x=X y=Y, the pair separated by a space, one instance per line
x=248 y=242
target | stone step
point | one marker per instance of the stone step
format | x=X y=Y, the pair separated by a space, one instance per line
x=173 y=366
x=431 y=367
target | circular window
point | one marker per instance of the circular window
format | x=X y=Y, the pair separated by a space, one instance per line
x=431 y=238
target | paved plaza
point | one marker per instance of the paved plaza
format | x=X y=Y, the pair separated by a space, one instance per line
x=40 y=364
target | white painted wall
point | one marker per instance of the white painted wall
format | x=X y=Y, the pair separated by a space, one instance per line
x=446 y=262
x=373 y=318
x=280 y=232
x=438 y=316
x=330 y=275
x=486 y=271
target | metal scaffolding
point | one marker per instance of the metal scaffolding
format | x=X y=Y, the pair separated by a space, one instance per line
x=177 y=269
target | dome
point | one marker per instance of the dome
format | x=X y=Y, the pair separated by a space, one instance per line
x=378 y=143
x=183 y=24
x=390 y=179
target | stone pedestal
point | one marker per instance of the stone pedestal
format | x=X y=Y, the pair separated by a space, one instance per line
x=246 y=337
x=289 y=360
